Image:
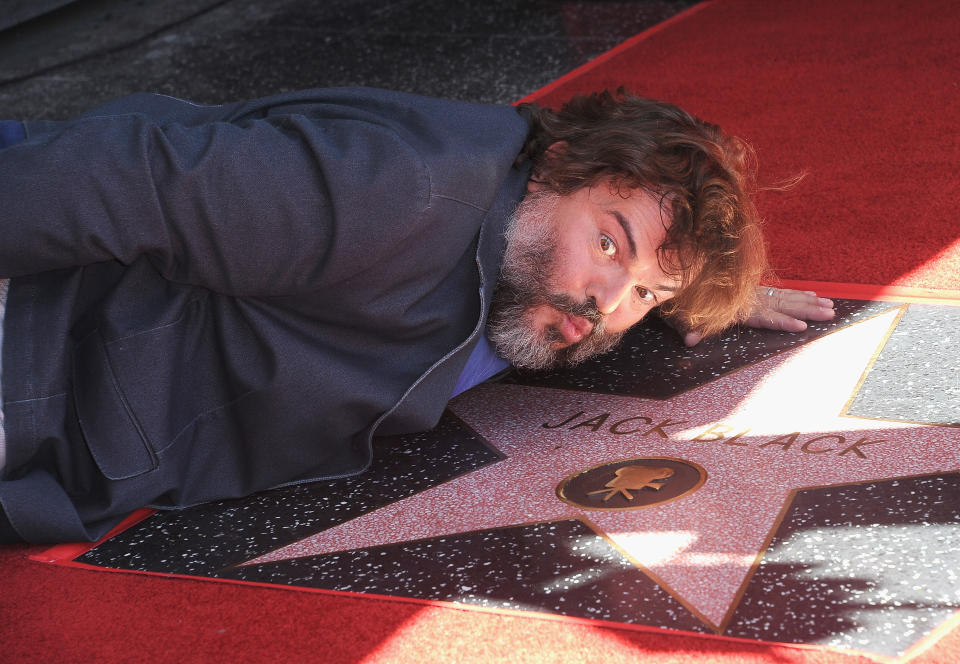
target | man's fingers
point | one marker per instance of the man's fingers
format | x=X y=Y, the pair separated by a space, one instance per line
x=807 y=310
x=787 y=323
x=774 y=320
x=804 y=305
x=692 y=338
x=819 y=313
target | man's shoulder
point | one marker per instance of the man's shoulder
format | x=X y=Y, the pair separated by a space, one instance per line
x=467 y=148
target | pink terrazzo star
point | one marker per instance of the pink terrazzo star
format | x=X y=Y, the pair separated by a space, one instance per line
x=760 y=433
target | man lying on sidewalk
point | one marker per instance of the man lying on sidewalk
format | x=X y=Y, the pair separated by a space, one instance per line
x=209 y=301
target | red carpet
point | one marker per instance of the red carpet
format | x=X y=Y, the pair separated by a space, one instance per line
x=861 y=96
x=56 y=614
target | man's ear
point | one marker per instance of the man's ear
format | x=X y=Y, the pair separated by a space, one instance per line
x=557 y=148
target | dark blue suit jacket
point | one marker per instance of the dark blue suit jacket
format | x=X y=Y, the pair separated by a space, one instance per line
x=209 y=301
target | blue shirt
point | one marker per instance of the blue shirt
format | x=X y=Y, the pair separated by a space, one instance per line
x=483 y=363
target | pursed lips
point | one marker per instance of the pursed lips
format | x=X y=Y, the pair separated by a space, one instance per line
x=574 y=328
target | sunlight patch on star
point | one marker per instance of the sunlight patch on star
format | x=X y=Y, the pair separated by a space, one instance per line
x=797 y=395
x=653 y=547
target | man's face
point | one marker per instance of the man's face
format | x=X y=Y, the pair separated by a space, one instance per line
x=579 y=270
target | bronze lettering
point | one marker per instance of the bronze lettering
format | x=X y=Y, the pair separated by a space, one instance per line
x=659 y=427
x=719 y=431
x=784 y=441
x=733 y=440
x=856 y=449
x=809 y=450
x=715 y=430
x=593 y=423
x=615 y=427
x=565 y=422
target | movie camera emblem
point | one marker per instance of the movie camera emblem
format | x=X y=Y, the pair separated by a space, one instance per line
x=630 y=484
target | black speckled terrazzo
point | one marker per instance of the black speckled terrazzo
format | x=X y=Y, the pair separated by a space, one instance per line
x=205 y=538
x=653 y=363
x=916 y=377
x=869 y=567
x=561 y=567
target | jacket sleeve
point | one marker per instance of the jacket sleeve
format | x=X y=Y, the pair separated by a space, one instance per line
x=244 y=209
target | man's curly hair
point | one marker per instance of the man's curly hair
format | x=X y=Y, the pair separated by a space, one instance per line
x=703 y=178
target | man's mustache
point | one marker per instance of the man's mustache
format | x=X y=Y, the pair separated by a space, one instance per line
x=586 y=309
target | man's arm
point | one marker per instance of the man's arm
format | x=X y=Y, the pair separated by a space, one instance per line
x=242 y=209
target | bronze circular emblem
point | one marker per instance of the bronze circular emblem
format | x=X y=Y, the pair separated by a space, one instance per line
x=630 y=484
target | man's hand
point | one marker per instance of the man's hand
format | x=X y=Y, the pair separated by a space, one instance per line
x=781 y=309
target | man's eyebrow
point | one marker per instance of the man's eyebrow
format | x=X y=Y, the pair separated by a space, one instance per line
x=625 y=225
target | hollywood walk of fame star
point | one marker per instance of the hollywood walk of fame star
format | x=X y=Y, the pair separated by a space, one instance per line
x=760 y=433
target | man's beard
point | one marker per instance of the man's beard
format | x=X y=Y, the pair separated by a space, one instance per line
x=530 y=261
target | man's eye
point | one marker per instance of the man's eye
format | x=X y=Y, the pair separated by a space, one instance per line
x=644 y=294
x=607 y=245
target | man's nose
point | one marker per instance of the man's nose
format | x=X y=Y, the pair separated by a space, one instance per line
x=610 y=292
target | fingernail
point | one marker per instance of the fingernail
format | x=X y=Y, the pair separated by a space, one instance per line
x=809 y=292
x=824 y=302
